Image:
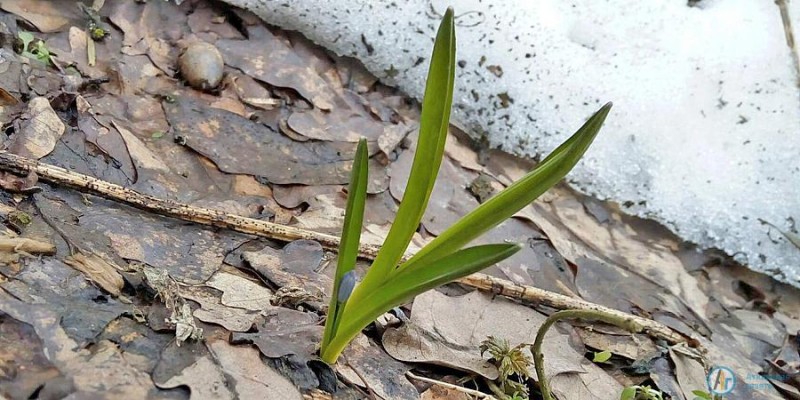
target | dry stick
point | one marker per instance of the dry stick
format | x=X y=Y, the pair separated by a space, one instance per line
x=10 y=245
x=169 y=208
x=60 y=176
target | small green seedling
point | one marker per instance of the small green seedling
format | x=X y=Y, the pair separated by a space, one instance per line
x=637 y=392
x=512 y=364
x=34 y=48
x=390 y=283
x=601 y=356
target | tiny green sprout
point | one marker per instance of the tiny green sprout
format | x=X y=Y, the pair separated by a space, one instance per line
x=701 y=395
x=26 y=38
x=97 y=33
x=33 y=48
x=157 y=135
x=637 y=392
x=511 y=362
x=390 y=281
x=601 y=356
x=20 y=217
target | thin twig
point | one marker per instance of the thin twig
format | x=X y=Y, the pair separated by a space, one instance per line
x=370 y=392
x=60 y=176
x=788 y=30
x=471 y=392
x=624 y=322
x=169 y=208
x=70 y=245
x=558 y=301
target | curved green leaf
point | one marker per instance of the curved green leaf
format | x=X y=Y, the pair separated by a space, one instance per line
x=434 y=122
x=351 y=235
x=521 y=193
x=409 y=283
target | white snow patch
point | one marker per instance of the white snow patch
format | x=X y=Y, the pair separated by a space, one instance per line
x=705 y=132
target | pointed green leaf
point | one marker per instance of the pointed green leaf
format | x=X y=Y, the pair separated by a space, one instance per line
x=602 y=356
x=434 y=122
x=521 y=193
x=351 y=235
x=409 y=283
x=26 y=38
x=629 y=393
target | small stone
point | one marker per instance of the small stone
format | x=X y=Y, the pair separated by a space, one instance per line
x=201 y=66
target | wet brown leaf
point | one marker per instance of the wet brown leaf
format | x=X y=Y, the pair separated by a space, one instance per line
x=190 y=253
x=291 y=196
x=211 y=19
x=151 y=28
x=437 y=392
x=120 y=379
x=240 y=146
x=46 y=16
x=347 y=122
x=296 y=265
x=283 y=332
x=592 y=384
x=142 y=157
x=633 y=347
x=383 y=375
x=24 y=368
x=325 y=213
x=273 y=61
x=251 y=92
x=462 y=154
x=756 y=334
x=109 y=141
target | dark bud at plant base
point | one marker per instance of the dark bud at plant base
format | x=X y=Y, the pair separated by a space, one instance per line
x=346 y=286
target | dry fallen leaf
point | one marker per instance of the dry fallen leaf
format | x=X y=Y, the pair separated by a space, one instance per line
x=251 y=378
x=689 y=371
x=39 y=130
x=142 y=157
x=98 y=269
x=205 y=380
x=46 y=16
x=436 y=334
x=239 y=292
x=213 y=311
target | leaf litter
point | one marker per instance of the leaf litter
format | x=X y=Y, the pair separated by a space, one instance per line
x=275 y=141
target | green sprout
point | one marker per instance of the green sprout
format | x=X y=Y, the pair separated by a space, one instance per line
x=387 y=284
x=602 y=356
x=511 y=363
x=34 y=48
x=638 y=392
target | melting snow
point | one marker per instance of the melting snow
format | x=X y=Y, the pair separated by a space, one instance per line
x=705 y=132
